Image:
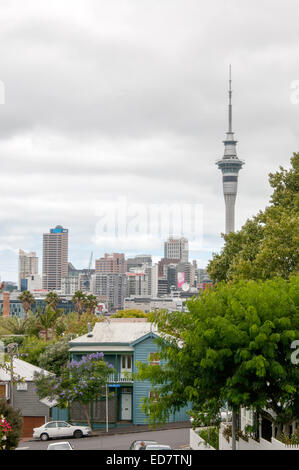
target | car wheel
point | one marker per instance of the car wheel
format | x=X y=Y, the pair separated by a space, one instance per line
x=44 y=437
x=78 y=434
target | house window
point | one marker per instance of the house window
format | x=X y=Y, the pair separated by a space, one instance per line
x=154 y=359
x=126 y=362
x=3 y=391
x=22 y=386
x=154 y=395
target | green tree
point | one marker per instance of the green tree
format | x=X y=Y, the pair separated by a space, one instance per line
x=70 y=324
x=47 y=318
x=79 y=299
x=14 y=418
x=21 y=326
x=52 y=300
x=234 y=346
x=31 y=349
x=80 y=381
x=27 y=300
x=267 y=245
x=55 y=356
x=130 y=313
x=90 y=303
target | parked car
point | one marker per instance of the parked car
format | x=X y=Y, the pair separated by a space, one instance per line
x=58 y=429
x=60 y=446
x=157 y=447
x=137 y=444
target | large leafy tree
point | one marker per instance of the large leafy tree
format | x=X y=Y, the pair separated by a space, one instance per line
x=70 y=324
x=79 y=381
x=130 y=313
x=233 y=345
x=31 y=349
x=268 y=244
x=55 y=356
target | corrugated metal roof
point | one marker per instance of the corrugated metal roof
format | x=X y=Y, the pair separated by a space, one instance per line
x=22 y=369
x=102 y=348
x=116 y=332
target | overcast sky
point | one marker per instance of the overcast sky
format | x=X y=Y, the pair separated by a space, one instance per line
x=111 y=103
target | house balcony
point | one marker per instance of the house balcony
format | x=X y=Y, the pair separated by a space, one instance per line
x=123 y=377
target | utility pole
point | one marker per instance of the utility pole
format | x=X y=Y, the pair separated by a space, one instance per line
x=107 y=417
x=234 y=429
x=10 y=349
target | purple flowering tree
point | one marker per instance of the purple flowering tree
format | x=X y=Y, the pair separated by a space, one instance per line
x=81 y=381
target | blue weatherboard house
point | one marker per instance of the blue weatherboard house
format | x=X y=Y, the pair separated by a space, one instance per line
x=124 y=342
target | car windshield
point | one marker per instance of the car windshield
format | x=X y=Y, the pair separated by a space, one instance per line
x=153 y=447
x=144 y=443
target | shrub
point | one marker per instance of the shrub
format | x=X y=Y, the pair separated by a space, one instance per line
x=15 y=420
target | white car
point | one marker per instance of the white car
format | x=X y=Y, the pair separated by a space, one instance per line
x=59 y=429
x=157 y=447
x=60 y=446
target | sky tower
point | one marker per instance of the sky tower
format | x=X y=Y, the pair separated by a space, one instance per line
x=230 y=166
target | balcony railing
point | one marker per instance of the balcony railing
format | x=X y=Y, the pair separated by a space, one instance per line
x=123 y=377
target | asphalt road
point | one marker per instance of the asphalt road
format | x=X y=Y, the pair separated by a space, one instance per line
x=176 y=438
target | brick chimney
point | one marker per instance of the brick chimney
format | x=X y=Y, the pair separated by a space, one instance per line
x=6 y=304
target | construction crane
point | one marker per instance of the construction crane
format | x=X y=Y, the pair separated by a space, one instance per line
x=87 y=282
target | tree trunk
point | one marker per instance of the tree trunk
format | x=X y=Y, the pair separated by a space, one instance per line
x=86 y=412
x=233 y=430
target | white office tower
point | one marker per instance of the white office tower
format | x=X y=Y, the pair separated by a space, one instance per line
x=28 y=266
x=176 y=248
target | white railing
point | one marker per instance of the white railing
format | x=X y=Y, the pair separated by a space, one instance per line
x=122 y=377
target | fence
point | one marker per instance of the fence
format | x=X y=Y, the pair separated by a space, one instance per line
x=196 y=442
x=251 y=444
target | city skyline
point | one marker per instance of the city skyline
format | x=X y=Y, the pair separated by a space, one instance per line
x=102 y=108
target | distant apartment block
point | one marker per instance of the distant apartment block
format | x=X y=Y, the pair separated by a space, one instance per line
x=114 y=263
x=110 y=289
x=138 y=262
x=32 y=283
x=28 y=265
x=55 y=257
x=176 y=248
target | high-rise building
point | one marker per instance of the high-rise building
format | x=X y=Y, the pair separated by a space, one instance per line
x=230 y=166
x=176 y=248
x=55 y=257
x=28 y=265
x=110 y=289
x=114 y=263
x=138 y=261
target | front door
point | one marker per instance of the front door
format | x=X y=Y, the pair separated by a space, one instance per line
x=126 y=406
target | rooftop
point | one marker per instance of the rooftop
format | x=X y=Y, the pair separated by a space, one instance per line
x=117 y=331
x=22 y=369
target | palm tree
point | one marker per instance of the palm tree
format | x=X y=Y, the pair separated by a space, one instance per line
x=47 y=318
x=52 y=300
x=79 y=300
x=27 y=300
x=91 y=303
x=16 y=325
